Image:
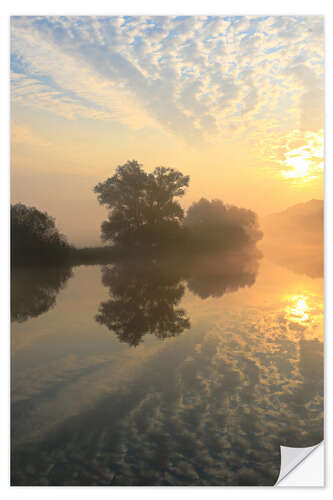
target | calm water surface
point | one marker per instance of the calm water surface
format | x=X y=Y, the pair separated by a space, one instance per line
x=133 y=375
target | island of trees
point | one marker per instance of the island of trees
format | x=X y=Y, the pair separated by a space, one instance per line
x=145 y=217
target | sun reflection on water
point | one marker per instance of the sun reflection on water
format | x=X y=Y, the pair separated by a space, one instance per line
x=297 y=308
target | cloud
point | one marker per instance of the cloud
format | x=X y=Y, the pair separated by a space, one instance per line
x=311 y=99
x=177 y=73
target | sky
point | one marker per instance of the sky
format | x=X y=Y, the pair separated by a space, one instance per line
x=237 y=103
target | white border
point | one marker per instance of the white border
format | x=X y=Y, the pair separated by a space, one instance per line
x=172 y=7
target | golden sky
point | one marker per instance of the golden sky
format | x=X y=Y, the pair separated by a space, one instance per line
x=235 y=102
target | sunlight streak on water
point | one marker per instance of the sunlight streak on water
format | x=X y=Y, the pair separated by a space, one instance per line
x=298 y=309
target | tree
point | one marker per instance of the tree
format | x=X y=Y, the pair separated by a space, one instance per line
x=216 y=226
x=142 y=205
x=34 y=237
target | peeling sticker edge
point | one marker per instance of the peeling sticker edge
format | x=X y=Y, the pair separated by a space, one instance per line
x=292 y=457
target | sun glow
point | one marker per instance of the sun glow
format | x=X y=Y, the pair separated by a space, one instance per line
x=299 y=165
x=305 y=162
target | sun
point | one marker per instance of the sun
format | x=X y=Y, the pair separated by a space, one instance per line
x=299 y=166
x=305 y=162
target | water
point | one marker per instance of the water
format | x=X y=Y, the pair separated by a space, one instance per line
x=137 y=375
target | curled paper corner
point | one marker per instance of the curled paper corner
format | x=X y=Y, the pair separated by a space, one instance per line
x=291 y=458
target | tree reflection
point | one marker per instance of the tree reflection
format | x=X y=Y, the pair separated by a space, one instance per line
x=34 y=290
x=145 y=292
x=215 y=275
x=144 y=300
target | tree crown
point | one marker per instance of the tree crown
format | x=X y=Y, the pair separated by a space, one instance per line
x=137 y=199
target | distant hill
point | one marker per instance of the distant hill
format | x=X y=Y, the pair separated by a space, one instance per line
x=294 y=237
